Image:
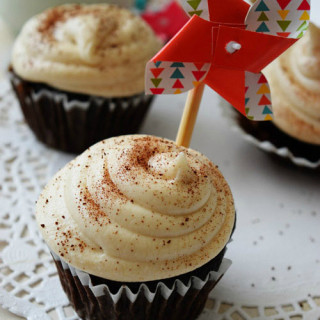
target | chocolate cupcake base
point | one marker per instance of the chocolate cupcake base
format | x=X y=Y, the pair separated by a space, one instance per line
x=299 y=153
x=178 y=298
x=73 y=122
x=267 y=137
x=267 y=131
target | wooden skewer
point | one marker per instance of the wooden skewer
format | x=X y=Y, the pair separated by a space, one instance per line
x=189 y=116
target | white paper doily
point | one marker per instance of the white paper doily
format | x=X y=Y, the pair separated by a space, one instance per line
x=276 y=249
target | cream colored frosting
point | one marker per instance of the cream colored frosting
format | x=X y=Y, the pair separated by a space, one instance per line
x=93 y=49
x=137 y=208
x=295 y=88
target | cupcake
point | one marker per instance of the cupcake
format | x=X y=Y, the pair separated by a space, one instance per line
x=138 y=229
x=294 y=80
x=78 y=72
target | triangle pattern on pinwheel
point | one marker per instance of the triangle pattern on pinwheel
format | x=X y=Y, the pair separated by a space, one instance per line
x=263 y=17
x=304 y=5
x=264 y=101
x=177 y=74
x=177 y=85
x=156 y=82
x=194 y=4
x=267 y=110
x=262 y=7
x=284 y=24
x=156 y=71
x=283 y=3
x=305 y=16
x=283 y=13
x=263 y=28
x=198 y=74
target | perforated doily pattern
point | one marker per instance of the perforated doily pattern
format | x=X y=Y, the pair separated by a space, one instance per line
x=274 y=290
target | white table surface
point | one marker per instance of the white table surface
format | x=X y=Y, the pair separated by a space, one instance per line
x=6 y=40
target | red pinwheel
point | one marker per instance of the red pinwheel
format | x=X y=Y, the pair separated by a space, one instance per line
x=228 y=50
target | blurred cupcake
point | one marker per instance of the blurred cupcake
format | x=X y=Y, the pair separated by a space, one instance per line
x=78 y=72
x=138 y=228
x=294 y=80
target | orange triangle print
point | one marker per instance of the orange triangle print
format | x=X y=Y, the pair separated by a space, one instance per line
x=263 y=89
x=283 y=14
x=178 y=91
x=268 y=117
x=305 y=16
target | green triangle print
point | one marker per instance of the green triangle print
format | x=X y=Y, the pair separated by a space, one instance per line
x=177 y=65
x=300 y=35
x=156 y=82
x=266 y=110
x=262 y=7
x=263 y=28
x=157 y=64
x=303 y=27
x=197 y=13
x=284 y=24
x=194 y=4
x=247 y=110
x=177 y=74
x=246 y=101
x=263 y=17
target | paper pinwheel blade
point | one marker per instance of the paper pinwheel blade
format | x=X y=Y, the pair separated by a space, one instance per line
x=200 y=52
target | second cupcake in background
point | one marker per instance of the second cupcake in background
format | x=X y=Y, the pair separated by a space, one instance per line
x=78 y=72
x=295 y=88
x=294 y=80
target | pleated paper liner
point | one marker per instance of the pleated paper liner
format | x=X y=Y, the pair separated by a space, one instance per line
x=73 y=122
x=179 y=298
x=267 y=137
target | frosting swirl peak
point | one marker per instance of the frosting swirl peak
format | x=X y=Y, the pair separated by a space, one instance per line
x=93 y=49
x=137 y=208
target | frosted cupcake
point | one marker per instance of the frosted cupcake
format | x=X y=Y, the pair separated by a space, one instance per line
x=294 y=80
x=78 y=72
x=138 y=228
x=295 y=85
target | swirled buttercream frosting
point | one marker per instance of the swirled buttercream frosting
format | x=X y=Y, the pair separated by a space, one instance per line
x=93 y=49
x=294 y=79
x=137 y=208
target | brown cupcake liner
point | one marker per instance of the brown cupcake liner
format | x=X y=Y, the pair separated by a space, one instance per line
x=73 y=122
x=179 y=298
x=267 y=137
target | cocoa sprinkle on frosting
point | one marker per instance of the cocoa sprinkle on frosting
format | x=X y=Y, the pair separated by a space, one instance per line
x=56 y=15
x=138 y=203
x=97 y=49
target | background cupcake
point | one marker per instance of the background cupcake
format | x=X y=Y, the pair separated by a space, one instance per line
x=17 y=12
x=78 y=72
x=294 y=80
x=138 y=229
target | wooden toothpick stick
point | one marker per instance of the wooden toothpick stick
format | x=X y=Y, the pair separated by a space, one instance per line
x=189 y=116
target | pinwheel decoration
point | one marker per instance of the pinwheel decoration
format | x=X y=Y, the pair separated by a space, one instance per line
x=225 y=45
